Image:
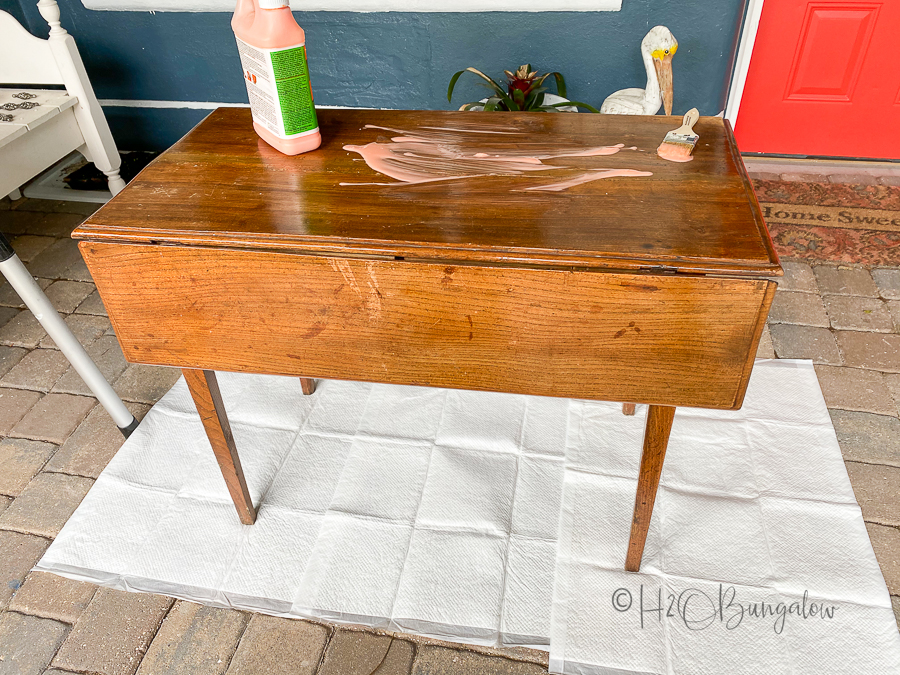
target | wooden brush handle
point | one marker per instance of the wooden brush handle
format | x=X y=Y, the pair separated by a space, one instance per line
x=690 y=119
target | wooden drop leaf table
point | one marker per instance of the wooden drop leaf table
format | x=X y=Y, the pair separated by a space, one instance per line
x=514 y=267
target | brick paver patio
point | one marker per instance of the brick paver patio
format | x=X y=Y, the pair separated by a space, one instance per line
x=55 y=440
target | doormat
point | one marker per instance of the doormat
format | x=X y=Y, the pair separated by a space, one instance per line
x=502 y=519
x=833 y=222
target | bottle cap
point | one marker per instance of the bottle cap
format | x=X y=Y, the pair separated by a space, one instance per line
x=273 y=4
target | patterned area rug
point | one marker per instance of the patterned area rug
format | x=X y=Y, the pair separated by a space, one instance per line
x=833 y=222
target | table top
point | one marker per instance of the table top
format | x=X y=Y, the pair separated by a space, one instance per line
x=498 y=188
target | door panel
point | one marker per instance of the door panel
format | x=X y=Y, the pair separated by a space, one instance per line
x=823 y=80
x=847 y=34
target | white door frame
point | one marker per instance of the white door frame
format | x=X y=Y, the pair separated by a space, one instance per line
x=742 y=62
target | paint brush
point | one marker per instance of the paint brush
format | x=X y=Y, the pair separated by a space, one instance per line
x=679 y=143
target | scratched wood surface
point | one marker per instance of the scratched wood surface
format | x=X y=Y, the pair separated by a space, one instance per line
x=221 y=186
x=665 y=339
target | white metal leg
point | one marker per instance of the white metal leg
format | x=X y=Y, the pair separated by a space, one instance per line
x=32 y=295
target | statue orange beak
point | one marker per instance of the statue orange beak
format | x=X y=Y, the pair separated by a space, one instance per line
x=664 y=74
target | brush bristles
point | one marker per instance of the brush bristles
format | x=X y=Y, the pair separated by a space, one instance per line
x=679 y=149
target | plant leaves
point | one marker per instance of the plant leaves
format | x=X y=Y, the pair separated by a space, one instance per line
x=488 y=82
x=532 y=99
x=578 y=104
x=491 y=104
x=560 y=83
x=520 y=100
x=487 y=79
x=453 y=84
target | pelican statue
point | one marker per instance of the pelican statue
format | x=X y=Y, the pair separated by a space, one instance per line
x=657 y=48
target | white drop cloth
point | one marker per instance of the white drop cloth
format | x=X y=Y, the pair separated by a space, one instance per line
x=407 y=508
x=437 y=511
x=754 y=506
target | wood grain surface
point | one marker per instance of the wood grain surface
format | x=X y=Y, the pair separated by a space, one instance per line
x=656 y=439
x=222 y=186
x=204 y=389
x=665 y=339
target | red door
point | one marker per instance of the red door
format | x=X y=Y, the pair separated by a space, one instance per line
x=824 y=80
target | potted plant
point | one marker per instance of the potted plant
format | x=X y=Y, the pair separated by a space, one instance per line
x=524 y=92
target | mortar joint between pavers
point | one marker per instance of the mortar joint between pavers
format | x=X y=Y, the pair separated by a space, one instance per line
x=330 y=630
x=415 y=654
x=142 y=651
x=856 y=461
x=383 y=657
x=883 y=523
x=246 y=616
x=4 y=527
x=66 y=473
x=25 y=387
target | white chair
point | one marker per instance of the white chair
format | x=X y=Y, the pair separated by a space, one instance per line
x=38 y=127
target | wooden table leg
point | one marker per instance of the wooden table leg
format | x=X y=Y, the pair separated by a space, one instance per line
x=628 y=408
x=208 y=399
x=308 y=385
x=656 y=438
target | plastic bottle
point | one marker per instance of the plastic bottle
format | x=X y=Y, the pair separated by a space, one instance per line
x=273 y=56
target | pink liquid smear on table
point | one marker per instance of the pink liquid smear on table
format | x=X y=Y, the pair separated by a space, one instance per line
x=431 y=154
x=587 y=178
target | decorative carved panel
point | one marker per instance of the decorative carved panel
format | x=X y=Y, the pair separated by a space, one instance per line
x=831 y=51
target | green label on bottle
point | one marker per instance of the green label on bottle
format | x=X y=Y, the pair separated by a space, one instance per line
x=294 y=92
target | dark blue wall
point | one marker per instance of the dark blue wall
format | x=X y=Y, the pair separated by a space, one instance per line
x=393 y=60
x=14 y=8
